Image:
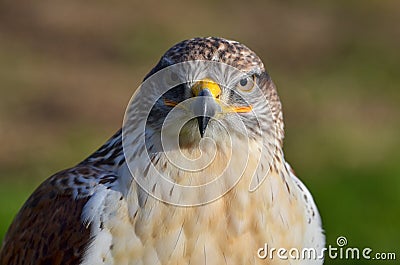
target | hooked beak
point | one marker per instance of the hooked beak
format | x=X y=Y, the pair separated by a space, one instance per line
x=205 y=106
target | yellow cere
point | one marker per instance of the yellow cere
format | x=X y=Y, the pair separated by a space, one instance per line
x=215 y=90
x=206 y=84
x=243 y=109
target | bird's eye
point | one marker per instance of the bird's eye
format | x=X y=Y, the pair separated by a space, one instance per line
x=246 y=84
x=172 y=78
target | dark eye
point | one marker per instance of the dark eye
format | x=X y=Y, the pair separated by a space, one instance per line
x=172 y=78
x=246 y=84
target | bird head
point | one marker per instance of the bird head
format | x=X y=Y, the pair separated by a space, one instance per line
x=211 y=87
x=204 y=116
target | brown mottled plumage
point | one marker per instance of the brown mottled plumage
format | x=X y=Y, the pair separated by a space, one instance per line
x=45 y=231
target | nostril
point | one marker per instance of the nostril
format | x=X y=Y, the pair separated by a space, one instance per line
x=205 y=93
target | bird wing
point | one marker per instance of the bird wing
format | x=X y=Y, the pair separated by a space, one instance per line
x=49 y=227
x=314 y=233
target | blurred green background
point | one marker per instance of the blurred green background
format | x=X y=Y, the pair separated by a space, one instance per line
x=69 y=68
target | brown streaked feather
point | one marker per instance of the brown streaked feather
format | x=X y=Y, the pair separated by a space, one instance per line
x=48 y=229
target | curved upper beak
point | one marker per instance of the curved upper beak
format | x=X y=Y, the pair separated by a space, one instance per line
x=205 y=105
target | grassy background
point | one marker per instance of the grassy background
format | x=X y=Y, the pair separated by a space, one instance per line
x=68 y=69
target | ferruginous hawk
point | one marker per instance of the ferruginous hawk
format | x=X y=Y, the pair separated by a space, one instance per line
x=196 y=175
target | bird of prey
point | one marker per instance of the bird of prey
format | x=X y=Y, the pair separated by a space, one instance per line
x=196 y=175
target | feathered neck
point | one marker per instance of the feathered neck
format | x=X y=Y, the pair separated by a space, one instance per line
x=109 y=156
